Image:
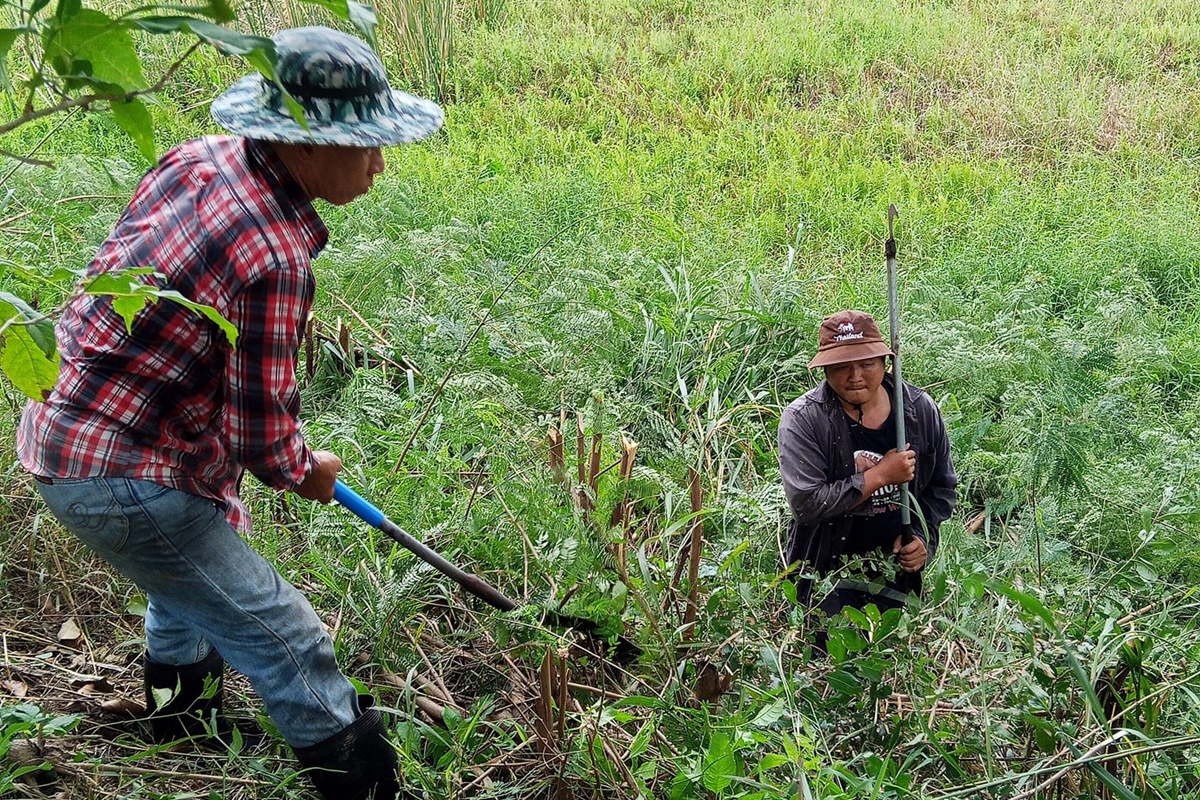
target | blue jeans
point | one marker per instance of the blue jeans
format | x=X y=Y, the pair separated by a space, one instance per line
x=207 y=588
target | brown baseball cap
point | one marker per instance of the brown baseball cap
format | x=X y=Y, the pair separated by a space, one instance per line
x=849 y=336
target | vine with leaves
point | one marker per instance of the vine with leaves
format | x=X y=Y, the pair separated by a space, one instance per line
x=75 y=57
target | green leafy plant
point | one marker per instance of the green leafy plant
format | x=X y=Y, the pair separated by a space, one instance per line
x=28 y=351
x=24 y=721
x=81 y=57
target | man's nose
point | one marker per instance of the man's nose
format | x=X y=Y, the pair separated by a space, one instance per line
x=376 y=164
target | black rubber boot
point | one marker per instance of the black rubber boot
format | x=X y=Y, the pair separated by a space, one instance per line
x=198 y=691
x=357 y=762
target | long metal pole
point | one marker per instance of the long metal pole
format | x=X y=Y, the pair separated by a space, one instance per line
x=889 y=250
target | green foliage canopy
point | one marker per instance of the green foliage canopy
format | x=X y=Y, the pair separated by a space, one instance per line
x=78 y=57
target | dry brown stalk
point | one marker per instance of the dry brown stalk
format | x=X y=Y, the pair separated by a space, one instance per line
x=488 y=767
x=607 y=695
x=529 y=547
x=580 y=448
x=696 y=531
x=432 y=709
x=435 y=676
x=594 y=463
x=343 y=337
x=942 y=682
x=1132 y=615
x=127 y=769
x=383 y=341
x=562 y=678
x=623 y=511
x=544 y=724
x=619 y=763
x=1076 y=764
x=310 y=358
x=557 y=465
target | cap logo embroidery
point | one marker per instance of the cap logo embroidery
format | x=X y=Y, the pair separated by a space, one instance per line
x=846 y=332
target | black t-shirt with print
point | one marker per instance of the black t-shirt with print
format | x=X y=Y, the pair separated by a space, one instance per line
x=877 y=520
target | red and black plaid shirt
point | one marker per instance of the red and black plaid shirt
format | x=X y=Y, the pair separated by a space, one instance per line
x=171 y=402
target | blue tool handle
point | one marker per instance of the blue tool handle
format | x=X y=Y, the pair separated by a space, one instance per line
x=358 y=505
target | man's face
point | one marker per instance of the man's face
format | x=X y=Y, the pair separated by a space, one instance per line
x=341 y=174
x=856 y=382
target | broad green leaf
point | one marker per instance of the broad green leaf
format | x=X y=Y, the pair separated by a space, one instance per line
x=217 y=10
x=37 y=6
x=134 y=118
x=94 y=37
x=638 y=701
x=720 y=765
x=128 y=307
x=452 y=718
x=857 y=617
x=162 y=696
x=772 y=760
x=888 y=622
x=7 y=37
x=361 y=16
x=1026 y=601
x=258 y=51
x=137 y=605
x=842 y=681
x=641 y=741
x=67 y=8
x=227 y=41
x=208 y=312
x=789 y=591
x=835 y=647
x=38 y=325
x=26 y=365
x=871 y=668
x=124 y=281
x=769 y=715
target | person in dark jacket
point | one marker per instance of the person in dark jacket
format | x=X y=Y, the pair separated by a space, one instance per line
x=842 y=474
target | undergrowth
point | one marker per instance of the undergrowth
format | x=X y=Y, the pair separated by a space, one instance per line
x=634 y=221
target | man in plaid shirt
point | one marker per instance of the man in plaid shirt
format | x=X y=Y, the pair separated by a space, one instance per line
x=141 y=447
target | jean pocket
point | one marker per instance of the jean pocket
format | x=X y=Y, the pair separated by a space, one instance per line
x=88 y=509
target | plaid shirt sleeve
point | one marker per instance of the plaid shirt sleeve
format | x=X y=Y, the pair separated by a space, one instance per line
x=263 y=400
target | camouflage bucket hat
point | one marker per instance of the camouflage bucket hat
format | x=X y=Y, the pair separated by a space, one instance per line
x=339 y=81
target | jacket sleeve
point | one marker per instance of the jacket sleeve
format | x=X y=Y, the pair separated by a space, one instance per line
x=804 y=467
x=940 y=495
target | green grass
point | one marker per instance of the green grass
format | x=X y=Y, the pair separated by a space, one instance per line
x=619 y=188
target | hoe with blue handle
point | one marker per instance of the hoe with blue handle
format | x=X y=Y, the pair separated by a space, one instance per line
x=626 y=651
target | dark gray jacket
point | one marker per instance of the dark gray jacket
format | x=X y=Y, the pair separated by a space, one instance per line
x=816 y=459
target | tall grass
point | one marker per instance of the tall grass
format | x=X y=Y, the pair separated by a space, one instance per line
x=654 y=204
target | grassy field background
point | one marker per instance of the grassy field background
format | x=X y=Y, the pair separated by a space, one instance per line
x=650 y=205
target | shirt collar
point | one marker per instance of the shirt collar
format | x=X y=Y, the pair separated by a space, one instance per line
x=292 y=198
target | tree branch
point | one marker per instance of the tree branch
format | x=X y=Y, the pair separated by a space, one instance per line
x=85 y=101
